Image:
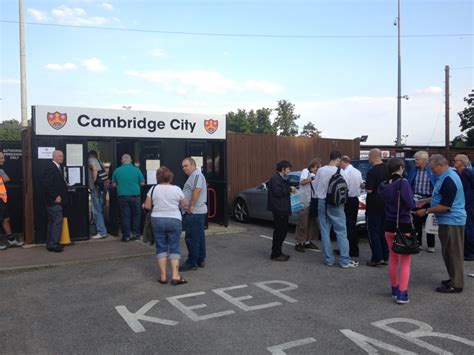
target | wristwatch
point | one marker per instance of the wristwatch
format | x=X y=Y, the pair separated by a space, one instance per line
x=426 y=211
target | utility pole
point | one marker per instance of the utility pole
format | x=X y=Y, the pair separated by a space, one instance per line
x=24 y=112
x=446 y=111
x=399 y=96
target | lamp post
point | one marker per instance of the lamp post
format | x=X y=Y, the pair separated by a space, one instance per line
x=24 y=114
x=398 y=142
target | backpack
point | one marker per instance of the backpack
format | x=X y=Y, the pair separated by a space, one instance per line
x=337 y=190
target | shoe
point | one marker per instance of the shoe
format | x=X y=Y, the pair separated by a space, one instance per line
x=97 y=236
x=135 y=237
x=350 y=264
x=163 y=282
x=448 y=289
x=431 y=250
x=300 y=248
x=179 y=281
x=186 y=267
x=374 y=263
x=311 y=245
x=201 y=264
x=14 y=243
x=383 y=263
x=469 y=258
x=402 y=297
x=125 y=240
x=446 y=282
x=3 y=247
x=395 y=292
x=55 y=249
x=282 y=257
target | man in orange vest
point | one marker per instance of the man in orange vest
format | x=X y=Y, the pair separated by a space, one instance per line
x=4 y=217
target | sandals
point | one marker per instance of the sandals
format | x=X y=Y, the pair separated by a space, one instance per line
x=179 y=281
x=163 y=282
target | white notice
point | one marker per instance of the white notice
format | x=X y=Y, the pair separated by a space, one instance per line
x=46 y=152
x=74 y=155
x=151 y=177
x=74 y=176
x=199 y=162
x=152 y=164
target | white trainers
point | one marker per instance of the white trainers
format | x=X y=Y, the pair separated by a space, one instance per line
x=430 y=250
x=98 y=236
x=350 y=264
x=3 y=247
x=15 y=243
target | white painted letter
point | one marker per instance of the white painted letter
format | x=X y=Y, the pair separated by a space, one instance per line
x=187 y=310
x=236 y=300
x=364 y=343
x=424 y=330
x=278 y=349
x=278 y=293
x=132 y=319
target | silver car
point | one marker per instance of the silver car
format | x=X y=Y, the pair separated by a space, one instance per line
x=252 y=203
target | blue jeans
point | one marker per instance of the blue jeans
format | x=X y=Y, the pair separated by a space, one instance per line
x=195 y=238
x=98 y=210
x=167 y=232
x=130 y=215
x=333 y=216
x=377 y=241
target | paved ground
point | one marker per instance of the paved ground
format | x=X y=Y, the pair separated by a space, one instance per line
x=116 y=306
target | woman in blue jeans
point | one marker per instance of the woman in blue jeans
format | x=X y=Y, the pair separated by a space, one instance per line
x=165 y=201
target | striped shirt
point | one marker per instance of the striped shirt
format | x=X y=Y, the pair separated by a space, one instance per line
x=196 y=181
x=422 y=184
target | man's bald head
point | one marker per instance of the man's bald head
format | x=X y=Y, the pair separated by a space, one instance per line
x=58 y=156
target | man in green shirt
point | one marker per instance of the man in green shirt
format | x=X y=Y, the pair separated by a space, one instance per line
x=128 y=179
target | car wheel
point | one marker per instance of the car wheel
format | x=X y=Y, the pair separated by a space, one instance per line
x=241 y=211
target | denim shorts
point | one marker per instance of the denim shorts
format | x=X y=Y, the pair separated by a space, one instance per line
x=167 y=232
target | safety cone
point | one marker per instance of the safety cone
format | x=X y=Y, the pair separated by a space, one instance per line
x=65 y=239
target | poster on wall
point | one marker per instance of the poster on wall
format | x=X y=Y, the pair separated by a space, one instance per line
x=151 y=177
x=74 y=155
x=46 y=152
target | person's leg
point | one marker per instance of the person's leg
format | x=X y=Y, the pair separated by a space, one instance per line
x=302 y=228
x=55 y=225
x=193 y=240
x=174 y=235
x=469 y=234
x=443 y=239
x=98 y=211
x=405 y=261
x=383 y=241
x=201 y=257
x=393 y=262
x=135 y=207
x=125 y=217
x=430 y=240
x=278 y=235
x=373 y=227
x=455 y=255
x=418 y=224
x=351 y=209
x=338 y=220
x=159 y=231
x=187 y=232
x=325 y=228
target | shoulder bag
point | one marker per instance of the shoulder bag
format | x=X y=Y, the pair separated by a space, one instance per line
x=148 y=236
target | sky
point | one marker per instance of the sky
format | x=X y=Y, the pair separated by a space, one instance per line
x=336 y=60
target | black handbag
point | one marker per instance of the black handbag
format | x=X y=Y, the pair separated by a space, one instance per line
x=313 y=205
x=404 y=243
x=148 y=235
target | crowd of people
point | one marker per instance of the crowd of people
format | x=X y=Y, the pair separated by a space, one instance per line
x=395 y=202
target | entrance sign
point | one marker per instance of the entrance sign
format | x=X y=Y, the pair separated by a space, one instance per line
x=45 y=152
x=92 y=122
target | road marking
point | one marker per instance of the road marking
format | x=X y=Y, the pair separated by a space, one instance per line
x=236 y=301
x=132 y=319
x=188 y=310
x=278 y=293
x=364 y=343
x=267 y=237
x=278 y=349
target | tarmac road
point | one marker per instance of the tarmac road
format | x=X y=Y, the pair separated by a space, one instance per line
x=309 y=308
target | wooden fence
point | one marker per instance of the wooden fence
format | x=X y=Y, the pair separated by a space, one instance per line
x=251 y=158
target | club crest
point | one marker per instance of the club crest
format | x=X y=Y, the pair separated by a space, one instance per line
x=57 y=120
x=211 y=125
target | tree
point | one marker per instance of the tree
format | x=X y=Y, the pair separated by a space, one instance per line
x=285 y=122
x=10 y=130
x=467 y=122
x=263 y=124
x=310 y=130
x=237 y=122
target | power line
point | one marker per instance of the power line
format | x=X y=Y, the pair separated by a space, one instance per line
x=462 y=68
x=216 y=34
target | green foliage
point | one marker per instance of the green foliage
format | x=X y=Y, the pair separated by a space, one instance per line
x=285 y=122
x=250 y=122
x=466 y=124
x=310 y=130
x=263 y=124
x=10 y=130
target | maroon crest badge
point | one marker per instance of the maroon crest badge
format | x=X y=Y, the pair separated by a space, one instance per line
x=211 y=125
x=57 y=120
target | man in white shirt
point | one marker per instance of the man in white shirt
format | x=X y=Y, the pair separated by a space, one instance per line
x=332 y=215
x=351 y=208
x=307 y=228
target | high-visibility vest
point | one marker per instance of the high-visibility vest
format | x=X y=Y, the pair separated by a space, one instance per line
x=3 y=190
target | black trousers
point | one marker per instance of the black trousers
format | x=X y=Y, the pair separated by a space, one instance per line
x=418 y=224
x=351 y=209
x=280 y=228
x=55 y=225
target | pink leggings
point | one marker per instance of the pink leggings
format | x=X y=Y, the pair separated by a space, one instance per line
x=397 y=278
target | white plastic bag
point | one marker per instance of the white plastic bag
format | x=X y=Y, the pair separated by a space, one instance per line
x=431 y=225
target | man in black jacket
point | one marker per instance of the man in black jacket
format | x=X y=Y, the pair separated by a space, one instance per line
x=55 y=190
x=279 y=190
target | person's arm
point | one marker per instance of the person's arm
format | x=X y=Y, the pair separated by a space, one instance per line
x=147 y=204
x=448 y=194
x=278 y=188
x=141 y=179
x=94 y=171
x=406 y=194
x=305 y=177
x=194 y=198
x=4 y=175
x=114 y=179
x=369 y=182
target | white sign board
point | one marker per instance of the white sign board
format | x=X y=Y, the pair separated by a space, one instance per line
x=91 y=122
x=45 y=152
